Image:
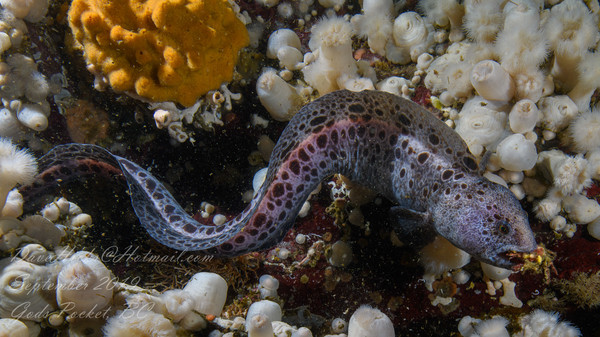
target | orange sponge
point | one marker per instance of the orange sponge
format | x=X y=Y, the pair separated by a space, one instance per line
x=163 y=50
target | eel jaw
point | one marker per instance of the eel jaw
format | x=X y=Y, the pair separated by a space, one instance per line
x=512 y=258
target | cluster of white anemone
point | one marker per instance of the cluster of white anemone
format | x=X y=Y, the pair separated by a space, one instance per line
x=490 y=84
x=328 y=66
x=509 y=102
x=537 y=323
x=23 y=89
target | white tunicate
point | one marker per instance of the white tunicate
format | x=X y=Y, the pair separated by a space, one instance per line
x=516 y=153
x=209 y=291
x=368 y=322
x=177 y=132
x=523 y=116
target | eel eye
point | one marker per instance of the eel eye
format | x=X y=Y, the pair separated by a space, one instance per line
x=504 y=227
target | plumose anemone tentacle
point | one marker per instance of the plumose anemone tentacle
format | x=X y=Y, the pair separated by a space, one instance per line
x=376 y=139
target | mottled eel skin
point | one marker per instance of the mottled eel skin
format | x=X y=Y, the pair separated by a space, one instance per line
x=377 y=139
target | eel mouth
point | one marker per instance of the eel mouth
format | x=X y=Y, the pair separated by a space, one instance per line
x=517 y=259
x=513 y=259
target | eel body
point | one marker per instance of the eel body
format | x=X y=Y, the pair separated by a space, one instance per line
x=376 y=139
